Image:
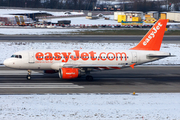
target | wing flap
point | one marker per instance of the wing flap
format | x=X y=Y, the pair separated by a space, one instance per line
x=98 y=67
x=91 y=66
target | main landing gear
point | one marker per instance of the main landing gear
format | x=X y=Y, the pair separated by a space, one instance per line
x=29 y=75
x=89 y=78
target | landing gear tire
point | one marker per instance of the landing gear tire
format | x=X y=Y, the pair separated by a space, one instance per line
x=28 y=77
x=89 y=78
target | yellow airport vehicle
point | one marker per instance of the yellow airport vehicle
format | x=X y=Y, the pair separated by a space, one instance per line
x=150 y=20
x=121 y=18
x=132 y=23
x=136 y=19
x=163 y=16
x=22 y=20
x=17 y=20
x=147 y=15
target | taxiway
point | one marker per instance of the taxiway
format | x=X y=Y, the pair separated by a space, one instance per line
x=142 y=79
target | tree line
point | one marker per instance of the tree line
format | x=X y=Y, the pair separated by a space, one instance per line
x=53 y=4
x=156 y=5
x=137 y=5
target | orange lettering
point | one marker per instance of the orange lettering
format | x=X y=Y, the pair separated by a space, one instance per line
x=57 y=56
x=84 y=56
x=66 y=57
x=77 y=55
x=109 y=57
x=39 y=56
x=92 y=55
x=121 y=55
x=48 y=56
x=101 y=56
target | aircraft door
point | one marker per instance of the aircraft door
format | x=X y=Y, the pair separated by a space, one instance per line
x=134 y=57
x=31 y=57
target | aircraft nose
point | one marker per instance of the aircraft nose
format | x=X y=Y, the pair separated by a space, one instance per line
x=7 y=62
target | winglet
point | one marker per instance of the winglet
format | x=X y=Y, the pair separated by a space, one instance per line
x=132 y=66
x=153 y=39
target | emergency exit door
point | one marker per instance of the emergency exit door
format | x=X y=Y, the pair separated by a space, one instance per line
x=134 y=57
x=31 y=57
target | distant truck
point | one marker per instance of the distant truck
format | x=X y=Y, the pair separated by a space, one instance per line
x=133 y=23
x=173 y=16
x=65 y=22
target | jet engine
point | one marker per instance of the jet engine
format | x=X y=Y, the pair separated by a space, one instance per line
x=69 y=73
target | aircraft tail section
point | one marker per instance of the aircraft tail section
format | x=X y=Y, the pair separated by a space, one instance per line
x=153 y=39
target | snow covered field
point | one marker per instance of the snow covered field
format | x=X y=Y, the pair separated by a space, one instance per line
x=18 y=31
x=144 y=106
x=84 y=21
x=74 y=20
x=21 y=11
x=8 y=48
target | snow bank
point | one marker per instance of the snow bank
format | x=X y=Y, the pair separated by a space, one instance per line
x=18 y=31
x=8 y=48
x=91 y=106
x=13 y=11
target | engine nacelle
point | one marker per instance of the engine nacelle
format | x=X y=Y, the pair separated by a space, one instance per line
x=50 y=71
x=69 y=73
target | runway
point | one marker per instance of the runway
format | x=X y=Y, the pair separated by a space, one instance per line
x=155 y=79
x=82 y=38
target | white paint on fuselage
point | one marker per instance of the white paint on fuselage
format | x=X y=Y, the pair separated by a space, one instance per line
x=25 y=63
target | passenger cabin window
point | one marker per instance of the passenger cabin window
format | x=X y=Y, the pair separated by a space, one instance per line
x=16 y=56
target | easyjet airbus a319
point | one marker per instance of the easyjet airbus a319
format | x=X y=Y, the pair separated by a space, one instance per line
x=74 y=63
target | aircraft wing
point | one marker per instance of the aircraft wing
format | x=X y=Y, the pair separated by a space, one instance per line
x=96 y=66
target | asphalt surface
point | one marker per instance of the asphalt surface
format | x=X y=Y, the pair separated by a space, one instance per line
x=156 y=79
x=82 y=38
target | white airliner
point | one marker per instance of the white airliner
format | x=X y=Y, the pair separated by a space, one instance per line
x=74 y=63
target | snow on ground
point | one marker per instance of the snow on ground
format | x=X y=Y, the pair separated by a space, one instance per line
x=74 y=20
x=12 y=11
x=21 y=11
x=144 y=106
x=8 y=48
x=63 y=13
x=84 y=21
x=29 y=31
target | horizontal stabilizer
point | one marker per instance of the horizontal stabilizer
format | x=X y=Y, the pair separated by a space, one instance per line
x=159 y=56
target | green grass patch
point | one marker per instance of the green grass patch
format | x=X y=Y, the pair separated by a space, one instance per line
x=114 y=32
x=172 y=32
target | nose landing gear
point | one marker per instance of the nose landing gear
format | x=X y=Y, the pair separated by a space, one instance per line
x=29 y=75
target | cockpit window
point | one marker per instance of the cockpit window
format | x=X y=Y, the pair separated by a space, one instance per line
x=16 y=56
x=13 y=56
